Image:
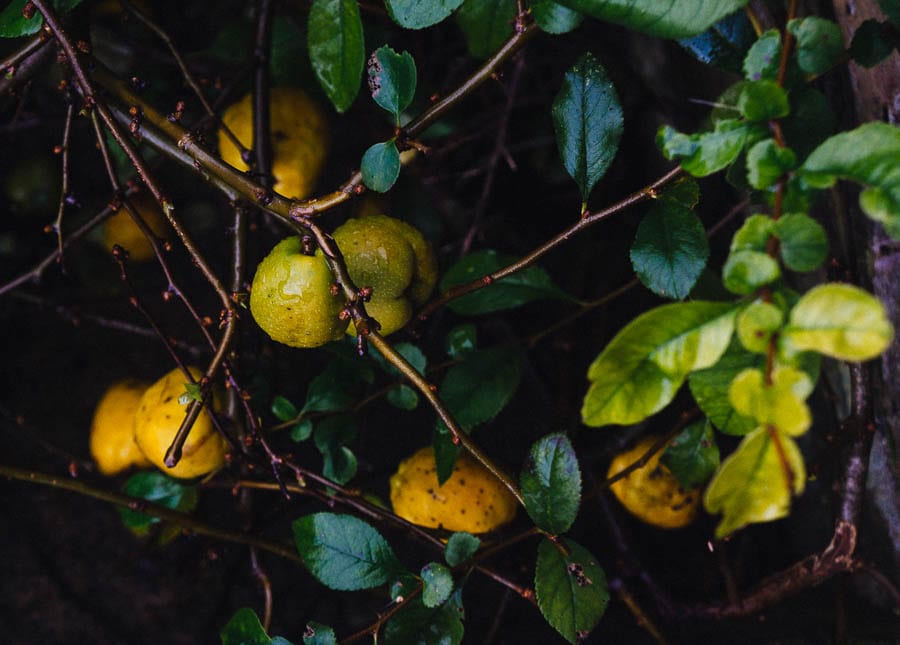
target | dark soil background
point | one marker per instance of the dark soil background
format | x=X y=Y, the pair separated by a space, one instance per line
x=71 y=572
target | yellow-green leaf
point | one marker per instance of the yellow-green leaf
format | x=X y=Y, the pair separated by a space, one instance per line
x=780 y=404
x=841 y=321
x=756 y=324
x=756 y=481
x=642 y=368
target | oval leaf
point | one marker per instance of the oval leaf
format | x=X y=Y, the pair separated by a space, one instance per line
x=343 y=552
x=820 y=45
x=460 y=547
x=867 y=155
x=841 y=321
x=392 y=79
x=318 y=634
x=555 y=18
x=380 y=166
x=486 y=24
x=704 y=153
x=588 y=121
x=804 y=243
x=437 y=584
x=416 y=14
x=551 y=484
x=667 y=19
x=160 y=489
x=670 y=249
x=642 y=368
x=441 y=625
x=244 y=628
x=693 y=456
x=763 y=57
x=514 y=290
x=337 y=49
x=779 y=404
x=756 y=481
x=570 y=589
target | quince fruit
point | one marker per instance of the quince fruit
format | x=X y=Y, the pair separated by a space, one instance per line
x=472 y=500
x=299 y=139
x=292 y=300
x=159 y=415
x=112 y=441
x=395 y=260
x=652 y=493
x=120 y=228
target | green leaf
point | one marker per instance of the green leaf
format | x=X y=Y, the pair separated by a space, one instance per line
x=804 y=243
x=642 y=368
x=840 y=321
x=669 y=19
x=754 y=234
x=810 y=122
x=437 y=584
x=693 y=456
x=780 y=404
x=766 y=162
x=670 y=249
x=819 y=44
x=475 y=391
x=520 y=288
x=318 y=634
x=724 y=44
x=337 y=387
x=13 y=24
x=331 y=436
x=192 y=392
x=392 y=80
x=763 y=100
x=160 y=489
x=421 y=625
x=337 y=49
x=302 y=430
x=755 y=482
x=709 y=388
x=343 y=552
x=551 y=484
x=380 y=166
x=746 y=271
x=486 y=24
x=867 y=155
x=555 y=18
x=570 y=589
x=244 y=628
x=403 y=397
x=756 y=324
x=460 y=547
x=707 y=152
x=588 y=121
x=417 y=14
x=873 y=42
x=283 y=409
x=479 y=387
x=461 y=340
x=763 y=58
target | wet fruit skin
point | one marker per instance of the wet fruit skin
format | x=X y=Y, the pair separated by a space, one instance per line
x=395 y=260
x=299 y=139
x=158 y=418
x=472 y=500
x=652 y=493
x=112 y=441
x=120 y=228
x=291 y=297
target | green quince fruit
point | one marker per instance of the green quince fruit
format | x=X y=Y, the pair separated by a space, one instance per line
x=392 y=258
x=292 y=298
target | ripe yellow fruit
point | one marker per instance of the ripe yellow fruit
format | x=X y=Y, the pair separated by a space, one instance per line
x=299 y=139
x=120 y=228
x=158 y=418
x=472 y=500
x=652 y=493
x=394 y=259
x=112 y=441
x=291 y=297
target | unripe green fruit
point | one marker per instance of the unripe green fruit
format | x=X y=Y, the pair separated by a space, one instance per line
x=291 y=298
x=392 y=258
